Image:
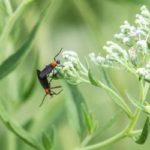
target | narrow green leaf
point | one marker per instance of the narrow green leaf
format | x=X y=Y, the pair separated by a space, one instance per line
x=18 y=130
x=8 y=7
x=92 y=79
x=28 y=90
x=5 y=68
x=114 y=95
x=75 y=100
x=147 y=80
x=15 y=59
x=48 y=141
x=89 y=120
x=108 y=80
x=136 y=103
x=22 y=134
x=107 y=125
x=13 y=19
x=28 y=124
x=144 y=134
x=148 y=42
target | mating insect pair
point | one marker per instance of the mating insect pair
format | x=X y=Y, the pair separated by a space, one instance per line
x=43 y=77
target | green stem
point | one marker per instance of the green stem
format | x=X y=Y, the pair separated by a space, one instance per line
x=111 y=140
x=127 y=109
x=138 y=110
x=128 y=131
x=12 y=20
x=86 y=140
x=11 y=139
x=107 y=142
x=8 y=7
x=84 y=80
x=136 y=132
x=118 y=99
x=18 y=130
x=83 y=68
x=131 y=70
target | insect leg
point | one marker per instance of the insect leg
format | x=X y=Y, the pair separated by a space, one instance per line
x=54 y=74
x=42 y=100
x=51 y=77
x=54 y=93
x=56 y=87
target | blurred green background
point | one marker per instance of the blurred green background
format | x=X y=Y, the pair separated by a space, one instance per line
x=80 y=25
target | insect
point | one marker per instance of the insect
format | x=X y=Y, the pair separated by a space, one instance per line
x=49 y=68
x=47 y=86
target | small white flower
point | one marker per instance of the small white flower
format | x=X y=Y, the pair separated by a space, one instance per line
x=142 y=45
x=108 y=49
x=141 y=20
x=126 y=40
x=72 y=69
x=145 y=12
x=67 y=65
x=92 y=56
x=132 y=53
x=71 y=56
x=98 y=60
x=115 y=50
x=144 y=72
x=69 y=53
x=118 y=36
x=141 y=71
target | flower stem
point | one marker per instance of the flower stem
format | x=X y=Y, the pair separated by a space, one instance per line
x=8 y=7
x=107 y=142
x=127 y=132
x=123 y=104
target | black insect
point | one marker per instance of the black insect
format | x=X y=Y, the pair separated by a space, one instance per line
x=47 y=86
x=49 y=68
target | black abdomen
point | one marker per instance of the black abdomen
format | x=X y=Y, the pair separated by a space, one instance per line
x=43 y=81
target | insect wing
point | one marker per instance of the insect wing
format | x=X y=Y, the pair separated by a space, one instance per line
x=45 y=71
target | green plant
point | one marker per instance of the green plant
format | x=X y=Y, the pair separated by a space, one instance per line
x=10 y=63
x=39 y=128
x=133 y=55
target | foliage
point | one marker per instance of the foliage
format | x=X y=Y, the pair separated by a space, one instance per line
x=27 y=28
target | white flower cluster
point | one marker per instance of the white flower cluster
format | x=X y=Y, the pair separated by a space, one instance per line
x=134 y=45
x=144 y=72
x=136 y=36
x=71 y=57
x=115 y=53
x=72 y=69
x=132 y=54
x=115 y=56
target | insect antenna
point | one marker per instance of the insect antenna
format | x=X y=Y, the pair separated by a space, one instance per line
x=58 y=53
x=42 y=100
